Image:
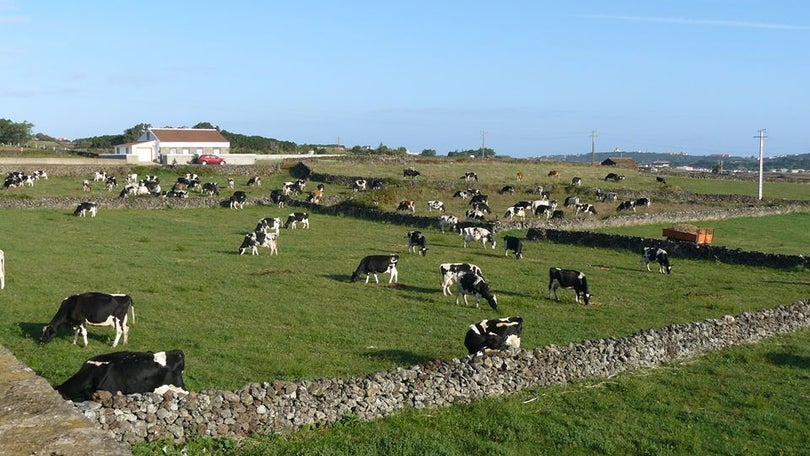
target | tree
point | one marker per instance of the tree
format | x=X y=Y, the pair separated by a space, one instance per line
x=478 y=153
x=428 y=153
x=15 y=132
x=132 y=134
x=205 y=125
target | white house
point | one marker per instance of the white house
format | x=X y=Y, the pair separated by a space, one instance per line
x=174 y=145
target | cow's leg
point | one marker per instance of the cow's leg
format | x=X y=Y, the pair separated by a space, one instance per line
x=84 y=334
x=394 y=275
x=117 y=325
x=76 y=330
x=465 y=299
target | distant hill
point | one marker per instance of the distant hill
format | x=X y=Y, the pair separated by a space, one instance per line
x=729 y=163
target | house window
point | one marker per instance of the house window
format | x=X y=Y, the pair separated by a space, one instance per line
x=185 y=151
x=172 y=150
x=199 y=151
x=216 y=151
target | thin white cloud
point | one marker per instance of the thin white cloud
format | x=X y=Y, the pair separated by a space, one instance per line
x=13 y=20
x=706 y=22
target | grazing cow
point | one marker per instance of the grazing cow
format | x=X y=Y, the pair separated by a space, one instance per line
x=407 y=205
x=547 y=209
x=410 y=172
x=571 y=201
x=359 y=185
x=461 y=194
x=585 y=209
x=469 y=175
x=495 y=334
x=614 y=177
x=211 y=188
x=416 y=241
x=126 y=373
x=568 y=278
x=230 y=183
x=475 y=214
x=650 y=254
x=523 y=204
x=237 y=200
x=557 y=215
x=377 y=264
x=479 y=199
x=251 y=242
x=280 y=198
x=610 y=196
x=448 y=221
x=269 y=224
x=472 y=284
x=576 y=181
x=519 y=176
x=435 y=204
x=99 y=176
x=295 y=218
x=514 y=244
x=643 y=202
x=175 y=194
x=553 y=173
x=550 y=205
x=111 y=183
x=628 y=205
x=376 y=184
x=255 y=180
x=87 y=206
x=507 y=189
x=661 y=180
x=92 y=308
x=513 y=211
x=2 y=270
x=477 y=234
x=451 y=271
x=40 y=174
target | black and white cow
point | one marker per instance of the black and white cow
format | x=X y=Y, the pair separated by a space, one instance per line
x=469 y=175
x=451 y=271
x=297 y=217
x=477 y=234
x=544 y=209
x=643 y=202
x=126 y=373
x=650 y=254
x=495 y=334
x=514 y=211
x=661 y=180
x=472 y=284
x=376 y=184
x=610 y=196
x=568 y=278
x=87 y=206
x=377 y=264
x=99 y=176
x=475 y=214
x=407 y=205
x=268 y=224
x=576 y=181
x=571 y=201
x=91 y=308
x=628 y=205
x=249 y=242
x=254 y=180
x=479 y=198
x=585 y=208
x=448 y=221
x=507 y=189
x=461 y=194
x=416 y=242
x=558 y=215
x=435 y=204
x=410 y=172
x=280 y=198
x=514 y=244
x=359 y=185
x=238 y=199
x=111 y=183
x=210 y=188
x=614 y=177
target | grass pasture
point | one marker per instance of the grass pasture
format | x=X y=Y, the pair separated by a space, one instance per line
x=243 y=319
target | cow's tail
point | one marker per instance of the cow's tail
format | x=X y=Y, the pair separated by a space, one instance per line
x=132 y=310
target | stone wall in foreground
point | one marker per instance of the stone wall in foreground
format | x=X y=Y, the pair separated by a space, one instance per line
x=283 y=406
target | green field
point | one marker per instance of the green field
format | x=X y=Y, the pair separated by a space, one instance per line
x=244 y=319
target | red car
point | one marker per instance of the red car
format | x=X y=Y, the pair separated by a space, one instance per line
x=210 y=159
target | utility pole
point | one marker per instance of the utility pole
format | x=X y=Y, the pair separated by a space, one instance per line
x=593 y=145
x=761 y=137
x=483 y=142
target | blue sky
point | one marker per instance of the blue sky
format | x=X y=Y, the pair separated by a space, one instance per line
x=528 y=78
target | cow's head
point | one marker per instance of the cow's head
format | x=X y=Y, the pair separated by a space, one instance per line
x=48 y=333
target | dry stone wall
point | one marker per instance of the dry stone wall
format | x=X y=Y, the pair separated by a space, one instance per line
x=280 y=406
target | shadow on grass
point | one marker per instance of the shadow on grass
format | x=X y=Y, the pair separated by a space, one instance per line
x=34 y=331
x=399 y=356
x=788 y=359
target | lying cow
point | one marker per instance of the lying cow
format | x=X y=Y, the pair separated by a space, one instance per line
x=495 y=334
x=514 y=244
x=416 y=242
x=377 y=264
x=650 y=254
x=83 y=208
x=92 y=308
x=126 y=373
x=472 y=284
x=568 y=278
x=451 y=271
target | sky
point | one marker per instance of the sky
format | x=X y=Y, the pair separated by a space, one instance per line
x=524 y=78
